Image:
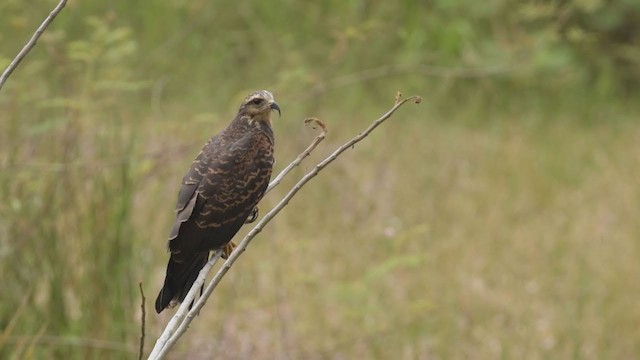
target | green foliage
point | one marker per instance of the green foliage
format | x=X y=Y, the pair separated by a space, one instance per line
x=602 y=36
x=498 y=219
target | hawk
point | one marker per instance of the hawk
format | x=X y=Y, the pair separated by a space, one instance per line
x=219 y=194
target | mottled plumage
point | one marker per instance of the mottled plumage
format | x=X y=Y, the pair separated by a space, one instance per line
x=221 y=189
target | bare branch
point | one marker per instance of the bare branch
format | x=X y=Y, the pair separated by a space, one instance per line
x=163 y=345
x=180 y=322
x=142 y=323
x=313 y=122
x=31 y=43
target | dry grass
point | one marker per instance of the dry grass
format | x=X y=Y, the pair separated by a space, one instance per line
x=432 y=239
x=480 y=243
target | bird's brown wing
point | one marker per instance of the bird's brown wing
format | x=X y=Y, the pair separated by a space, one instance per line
x=219 y=192
x=188 y=196
x=187 y=199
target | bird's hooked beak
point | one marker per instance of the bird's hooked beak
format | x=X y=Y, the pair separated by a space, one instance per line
x=274 y=106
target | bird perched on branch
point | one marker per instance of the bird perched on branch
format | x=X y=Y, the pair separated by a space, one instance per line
x=219 y=194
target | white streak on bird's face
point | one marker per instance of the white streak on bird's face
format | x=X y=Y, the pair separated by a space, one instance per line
x=258 y=106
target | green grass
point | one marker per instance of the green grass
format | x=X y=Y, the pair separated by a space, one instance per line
x=496 y=219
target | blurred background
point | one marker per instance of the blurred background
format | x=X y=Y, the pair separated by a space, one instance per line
x=498 y=219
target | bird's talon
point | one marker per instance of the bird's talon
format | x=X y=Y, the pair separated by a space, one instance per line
x=252 y=216
x=228 y=249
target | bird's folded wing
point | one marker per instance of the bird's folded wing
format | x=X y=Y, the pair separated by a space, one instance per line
x=186 y=203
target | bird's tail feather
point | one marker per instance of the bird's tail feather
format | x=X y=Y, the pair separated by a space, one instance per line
x=179 y=279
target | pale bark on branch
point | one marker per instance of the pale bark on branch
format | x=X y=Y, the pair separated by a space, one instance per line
x=179 y=324
x=31 y=43
x=323 y=133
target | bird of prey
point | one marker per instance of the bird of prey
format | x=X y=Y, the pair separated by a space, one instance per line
x=219 y=194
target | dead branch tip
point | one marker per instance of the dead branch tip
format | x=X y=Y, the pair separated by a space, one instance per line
x=314 y=123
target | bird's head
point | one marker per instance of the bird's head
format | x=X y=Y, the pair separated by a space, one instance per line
x=258 y=106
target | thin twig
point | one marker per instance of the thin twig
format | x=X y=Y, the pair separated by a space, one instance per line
x=323 y=133
x=184 y=322
x=31 y=43
x=142 y=326
x=14 y=319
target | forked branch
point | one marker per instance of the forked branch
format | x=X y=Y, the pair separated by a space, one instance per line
x=313 y=122
x=179 y=324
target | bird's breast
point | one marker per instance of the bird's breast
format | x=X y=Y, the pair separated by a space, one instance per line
x=237 y=175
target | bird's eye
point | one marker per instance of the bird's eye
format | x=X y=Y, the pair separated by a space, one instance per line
x=257 y=101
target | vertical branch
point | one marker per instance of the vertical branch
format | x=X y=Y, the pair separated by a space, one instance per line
x=31 y=43
x=142 y=324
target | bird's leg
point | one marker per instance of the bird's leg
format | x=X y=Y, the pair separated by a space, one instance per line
x=228 y=249
x=253 y=215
